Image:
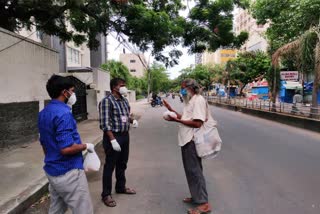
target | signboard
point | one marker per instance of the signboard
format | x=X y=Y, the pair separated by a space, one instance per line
x=289 y=75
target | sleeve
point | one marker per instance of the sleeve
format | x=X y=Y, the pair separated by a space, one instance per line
x=105 y=115
x=64 y=131
x=200 y=109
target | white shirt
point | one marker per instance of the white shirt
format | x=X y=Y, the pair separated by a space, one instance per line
x=196 y=109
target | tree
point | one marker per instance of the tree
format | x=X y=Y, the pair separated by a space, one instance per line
x=308 y=51
x=249 y=66
x=208 y=26
x=290 y=24
x=201 y=73
x=288 y=19
x=159 y=79
x=117 y=69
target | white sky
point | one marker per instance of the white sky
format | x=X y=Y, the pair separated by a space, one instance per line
x=186 y=60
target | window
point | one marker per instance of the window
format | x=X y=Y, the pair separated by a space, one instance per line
x=133 y=70
x=73 y=55
x=132 y=61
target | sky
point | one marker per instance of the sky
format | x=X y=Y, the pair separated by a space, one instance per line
x=186 y=60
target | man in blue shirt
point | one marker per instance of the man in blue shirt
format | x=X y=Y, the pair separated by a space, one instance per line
x=63 y=148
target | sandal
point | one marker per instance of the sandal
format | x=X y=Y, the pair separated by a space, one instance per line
x=109 y=201
x=188 y=200
x=127 y=191
x=202 y=209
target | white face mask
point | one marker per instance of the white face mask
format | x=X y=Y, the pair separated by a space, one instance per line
x=123 y=90
x=72 y=99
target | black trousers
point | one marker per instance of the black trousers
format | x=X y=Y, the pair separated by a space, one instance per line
x=115 y=160
x=193 y=169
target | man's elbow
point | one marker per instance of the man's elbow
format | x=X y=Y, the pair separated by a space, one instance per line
x=198 y=124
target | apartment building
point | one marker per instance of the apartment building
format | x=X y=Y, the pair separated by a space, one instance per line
x=136 y=63
x=244 y=21
x=220 y=56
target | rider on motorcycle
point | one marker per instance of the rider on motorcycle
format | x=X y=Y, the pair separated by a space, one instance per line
x=156 y=98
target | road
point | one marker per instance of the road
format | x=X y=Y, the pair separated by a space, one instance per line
x=264 y=168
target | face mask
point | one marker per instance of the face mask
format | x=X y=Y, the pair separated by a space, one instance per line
x=72 y=99
x=183 y=92
x=123 y=90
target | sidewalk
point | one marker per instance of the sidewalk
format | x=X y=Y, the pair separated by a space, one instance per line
x=22 y=177
x=23 y=180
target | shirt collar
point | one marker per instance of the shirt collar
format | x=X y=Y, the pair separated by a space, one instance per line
x=55 y=101
x=120 y=98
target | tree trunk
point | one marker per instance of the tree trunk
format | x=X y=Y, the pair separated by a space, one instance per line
x=314 y=107
x=274 y=91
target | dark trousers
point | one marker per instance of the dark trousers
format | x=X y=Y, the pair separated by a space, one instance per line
x=115 y=160
x=193 y=169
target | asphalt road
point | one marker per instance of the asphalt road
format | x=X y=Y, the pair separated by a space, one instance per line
x=263 y=168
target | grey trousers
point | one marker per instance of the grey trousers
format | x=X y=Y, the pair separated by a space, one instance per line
x=70 y=190
x=193 y=169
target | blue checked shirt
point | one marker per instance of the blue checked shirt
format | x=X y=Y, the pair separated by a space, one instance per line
x=114 y=114
x=58 y=130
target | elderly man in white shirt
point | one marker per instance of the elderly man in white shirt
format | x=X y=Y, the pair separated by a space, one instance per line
x=193 y=116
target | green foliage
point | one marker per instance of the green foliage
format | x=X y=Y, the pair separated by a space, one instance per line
x=307 y=51
x=117 y=69
x=159 y=79
x=288 y=19
x=250 y=65
x=150 y=25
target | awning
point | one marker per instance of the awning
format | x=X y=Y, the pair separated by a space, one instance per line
x=292 y=85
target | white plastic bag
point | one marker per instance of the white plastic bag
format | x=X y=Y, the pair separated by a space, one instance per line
x=168 y=113
x=207 y=139
x=91 y=162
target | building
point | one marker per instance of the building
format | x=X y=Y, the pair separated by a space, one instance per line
x=136 y=63
x=220 y=56
x=26 y=66
x=198 y=58
x=244 y=21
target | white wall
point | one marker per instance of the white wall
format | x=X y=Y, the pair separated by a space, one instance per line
x=25 y=68
x=101 y=79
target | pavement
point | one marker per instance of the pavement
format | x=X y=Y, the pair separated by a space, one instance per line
x=23 y=180
x=264 y=167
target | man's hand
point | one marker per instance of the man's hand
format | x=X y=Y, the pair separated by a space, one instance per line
x=135 y=124
x=115 y=145
x=166 y=104
x=90 y=147
x=172 y=119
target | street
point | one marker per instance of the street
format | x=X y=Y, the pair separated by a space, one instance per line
x=264 y=168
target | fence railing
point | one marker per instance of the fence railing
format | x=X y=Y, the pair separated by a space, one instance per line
x=299 y=109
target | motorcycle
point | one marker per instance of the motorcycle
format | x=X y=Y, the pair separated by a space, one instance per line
x=156 y=102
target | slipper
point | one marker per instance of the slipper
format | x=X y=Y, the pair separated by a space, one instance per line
x=127 y=191
x=202 y=209
x=197 y=211
x=188 y=200
x=109 y=201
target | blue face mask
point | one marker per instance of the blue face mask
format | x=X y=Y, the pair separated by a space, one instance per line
x=183 y=92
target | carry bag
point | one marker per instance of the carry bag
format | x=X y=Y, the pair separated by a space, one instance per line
x=207 y=139
x=91 y=162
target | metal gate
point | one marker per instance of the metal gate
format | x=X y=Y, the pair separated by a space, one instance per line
x=79 y=109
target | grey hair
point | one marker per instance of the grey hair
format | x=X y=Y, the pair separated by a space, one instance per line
x=192 y=84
